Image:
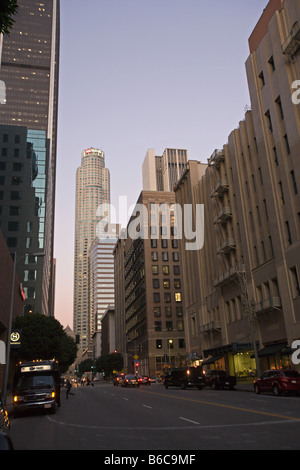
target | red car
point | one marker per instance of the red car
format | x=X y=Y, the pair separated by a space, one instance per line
x=278 y=381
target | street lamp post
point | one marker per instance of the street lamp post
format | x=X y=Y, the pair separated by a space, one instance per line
x=170 y=342
x=10 y=322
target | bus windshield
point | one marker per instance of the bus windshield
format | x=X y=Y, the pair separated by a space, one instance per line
x=30 y=381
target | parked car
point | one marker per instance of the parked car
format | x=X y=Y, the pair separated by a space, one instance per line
x=130 y=381
x=4 y=420
x=155 y=380
x=118 y=379
x=145 y=380
x=185 y=377
x=217 y=379
x=278 y=381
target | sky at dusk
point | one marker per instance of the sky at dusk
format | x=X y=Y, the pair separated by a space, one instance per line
x=140 y=74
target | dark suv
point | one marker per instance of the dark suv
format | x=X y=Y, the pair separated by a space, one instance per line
x=185 y=377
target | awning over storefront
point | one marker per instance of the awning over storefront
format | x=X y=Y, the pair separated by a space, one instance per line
x=273 y=349
x=232 y=347
x=212 y=360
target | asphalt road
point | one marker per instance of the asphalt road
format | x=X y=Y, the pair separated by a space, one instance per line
x=152 y=418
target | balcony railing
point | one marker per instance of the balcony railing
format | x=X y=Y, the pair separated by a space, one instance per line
x=213 y=325
x=224 y=214
x=216 y=158
x=227 y=245
x=220 y=188
x=229 y=275
x=268 y=304
x=292 y=43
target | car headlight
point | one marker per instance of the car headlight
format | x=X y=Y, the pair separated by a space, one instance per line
x=50 y=395
x=18 y=399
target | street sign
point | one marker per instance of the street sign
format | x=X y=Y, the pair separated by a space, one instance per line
x=15 y=339
x=135 y=357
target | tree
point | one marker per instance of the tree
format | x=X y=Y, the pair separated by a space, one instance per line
x=44 y=338
x=86 y=366
x=109 y=362
x=8 y=8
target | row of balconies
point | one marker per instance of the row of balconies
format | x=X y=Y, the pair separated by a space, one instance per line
x=261 y=307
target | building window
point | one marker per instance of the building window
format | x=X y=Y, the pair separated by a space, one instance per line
x=157 y=326
x=167 y=297
x=165 y=270
x=180 y=325
x=155 y=283
x=13 y=226
x=272 y=63
x=262 y=79
x=177 y=283
x=12 y=242
x=168 y=311
x=158 y=344
x=169 y=325
x=177 y=296
x=164 y=243
x=278 y=101
x=176 y=270
x=175 y=256
x=269 y=120
x=156 y=297
x=294 y=182
x=287 y=144
x=154 y=269
x=157 y=312
x=167 y=283
x=289 y=237
x=179 y=312
x=153 y=243
x=174 y=243
x=281 y=192
x=275 y=155
x=295 y=281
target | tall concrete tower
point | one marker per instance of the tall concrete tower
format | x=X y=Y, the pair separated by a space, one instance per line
x=92 y=193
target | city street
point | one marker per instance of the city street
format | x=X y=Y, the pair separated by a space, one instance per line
x=111 y=418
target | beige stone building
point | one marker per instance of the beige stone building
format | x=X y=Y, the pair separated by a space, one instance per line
x=244 y=283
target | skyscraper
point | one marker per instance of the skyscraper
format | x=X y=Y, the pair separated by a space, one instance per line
x=28 y=119
x=92 y=193
x=160 y=173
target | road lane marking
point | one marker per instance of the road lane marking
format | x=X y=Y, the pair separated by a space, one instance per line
x=230 y=407
x=189 y=420
x=171 y=428
x=146 y=406
x=127 y=399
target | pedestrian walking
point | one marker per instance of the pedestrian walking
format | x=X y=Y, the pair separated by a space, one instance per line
x=69 y=386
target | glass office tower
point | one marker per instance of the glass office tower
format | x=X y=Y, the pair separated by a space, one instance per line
x=29 y=81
